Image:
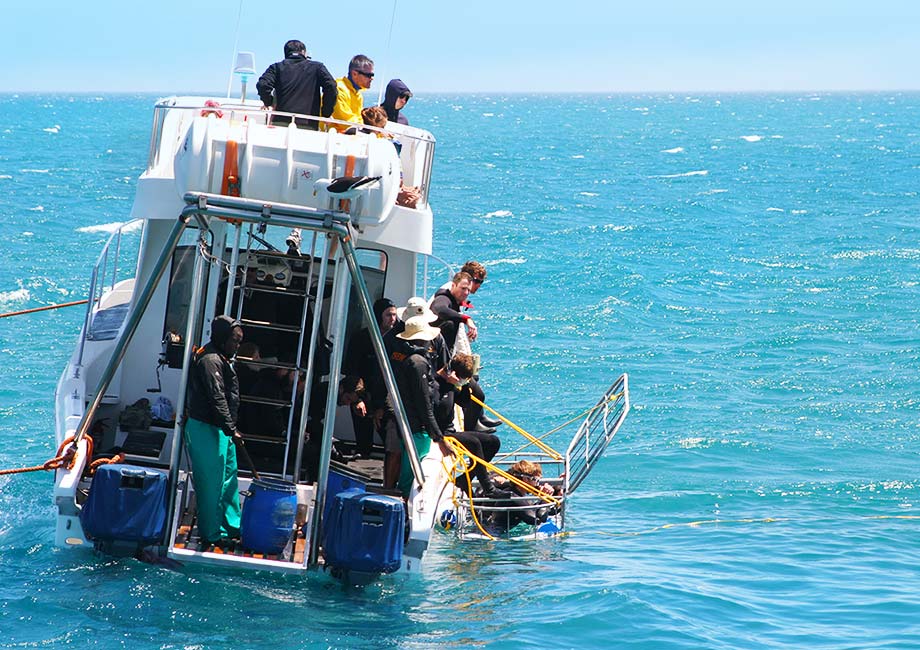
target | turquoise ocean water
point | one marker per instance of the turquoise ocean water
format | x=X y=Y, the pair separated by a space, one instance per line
x=752 y=261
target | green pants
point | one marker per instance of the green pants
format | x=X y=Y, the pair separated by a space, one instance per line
x=217 y=494
x=422 y=446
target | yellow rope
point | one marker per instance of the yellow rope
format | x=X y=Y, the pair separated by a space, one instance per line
x=456 y=446
x=460 y=466
x=567 y=423
x=555 y=455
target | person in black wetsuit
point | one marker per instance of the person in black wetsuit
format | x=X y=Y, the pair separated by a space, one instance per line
x=297 y=85
x=452 y=378
x=447 y=304
x=361 y=361
x=418 y=390
x=537 y=512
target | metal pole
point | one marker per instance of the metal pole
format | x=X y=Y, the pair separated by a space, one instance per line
x=134 y=319
x=115 y=262
x=348 y=251
x=339 y=309
x=89 y=312
x=311 y=353
x=190 y=332
x=231 y=272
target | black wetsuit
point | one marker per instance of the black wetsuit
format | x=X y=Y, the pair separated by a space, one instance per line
x=447 y=309
x=418 y=389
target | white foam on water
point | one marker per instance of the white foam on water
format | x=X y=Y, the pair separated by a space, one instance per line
x=5 y=177
x=28 y=234
x=35 y=171
x=699 y=172
x=800 y=212
x=775 y=210
x=577 y=156
x=674 y=150
x=17 y=295
x=507 y=260
x=53 y=129
x=715 y=191
x=497 y=213
x=111 y=227
x=37 y=208
x=488 y=114
x=610 y=227
x=752 y=138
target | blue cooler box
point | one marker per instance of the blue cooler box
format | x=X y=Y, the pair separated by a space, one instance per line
x=126 y=503
x=364 y=532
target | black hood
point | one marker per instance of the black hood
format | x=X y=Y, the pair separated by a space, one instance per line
x=394 y=89
x=380 y=306
x=220 y=330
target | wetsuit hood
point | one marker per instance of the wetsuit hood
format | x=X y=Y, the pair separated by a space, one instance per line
x=380 y=306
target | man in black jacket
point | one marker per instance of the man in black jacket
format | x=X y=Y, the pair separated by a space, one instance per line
x=212 y=406
x=295 y=85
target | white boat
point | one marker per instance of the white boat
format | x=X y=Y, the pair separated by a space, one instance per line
x=221 y=193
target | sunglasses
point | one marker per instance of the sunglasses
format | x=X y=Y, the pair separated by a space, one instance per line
x=369 y=75
x=478 y=280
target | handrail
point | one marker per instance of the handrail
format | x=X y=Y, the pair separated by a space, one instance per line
x=97 y=285
x=417 y=152
x=426 y=274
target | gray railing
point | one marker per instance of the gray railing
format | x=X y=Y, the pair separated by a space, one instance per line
x=430 y=279
x=104 y=277
x=596 y=432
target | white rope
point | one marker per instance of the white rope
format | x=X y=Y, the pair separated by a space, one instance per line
x=236 y=43
x=387 y=57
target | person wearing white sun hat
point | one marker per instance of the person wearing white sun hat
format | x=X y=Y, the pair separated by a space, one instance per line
x=414 y=376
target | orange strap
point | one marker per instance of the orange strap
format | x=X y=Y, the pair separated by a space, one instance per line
x=231 y=182
x=345 y=204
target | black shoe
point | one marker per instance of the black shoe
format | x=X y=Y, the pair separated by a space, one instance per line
x=481 y=428
x=488 y=422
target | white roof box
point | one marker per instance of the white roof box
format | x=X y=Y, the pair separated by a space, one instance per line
x=285 y=164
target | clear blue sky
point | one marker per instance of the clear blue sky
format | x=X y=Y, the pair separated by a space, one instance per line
x=475 y=45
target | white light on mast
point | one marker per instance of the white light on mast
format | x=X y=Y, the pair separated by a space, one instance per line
x=245 y=66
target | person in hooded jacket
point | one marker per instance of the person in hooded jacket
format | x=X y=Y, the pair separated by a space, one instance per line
x=211 y=425
x=297 y=85
x=396 y=96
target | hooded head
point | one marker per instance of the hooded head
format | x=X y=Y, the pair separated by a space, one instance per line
x=380 y=306
x=395 y=89
x=222 y=334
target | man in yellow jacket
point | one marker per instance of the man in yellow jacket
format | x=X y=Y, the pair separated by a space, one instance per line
x=350 y=103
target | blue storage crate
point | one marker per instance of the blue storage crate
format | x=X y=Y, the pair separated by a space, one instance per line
x=339 y=481
x=126 y=503
x=364 y=532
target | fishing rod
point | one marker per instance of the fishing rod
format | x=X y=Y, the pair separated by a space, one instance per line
x=47 y=307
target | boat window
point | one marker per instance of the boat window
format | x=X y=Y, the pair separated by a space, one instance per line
x=177 y=302
x=373 y=264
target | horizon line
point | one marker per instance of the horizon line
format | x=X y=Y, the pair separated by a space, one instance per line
x=222 y=93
